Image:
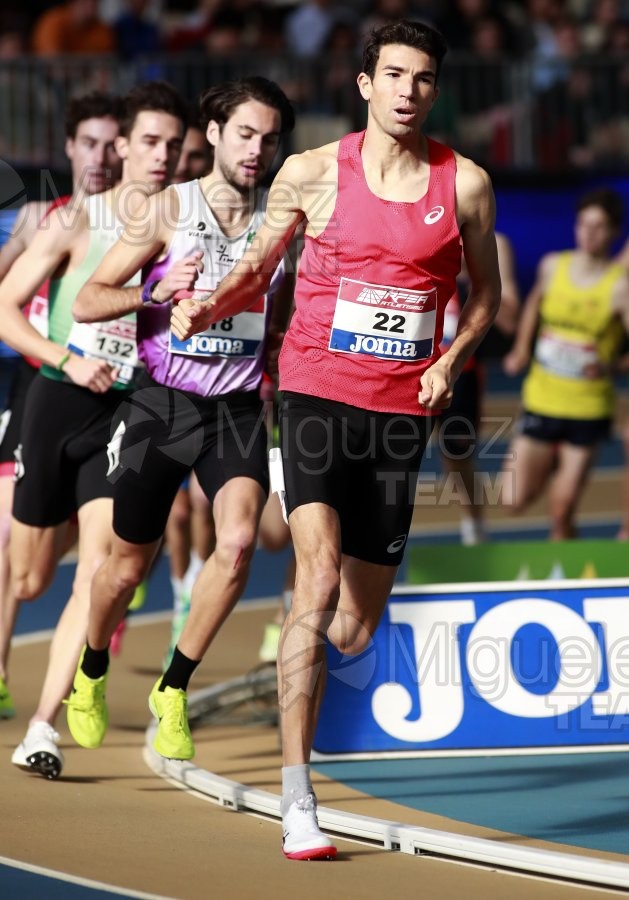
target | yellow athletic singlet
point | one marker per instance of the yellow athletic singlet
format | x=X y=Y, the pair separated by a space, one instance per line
x=577 y=330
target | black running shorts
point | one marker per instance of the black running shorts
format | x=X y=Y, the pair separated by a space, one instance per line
x=61 y=462
x=11 y=418
x=555 y=430
x=166 y=434
x=363 y=464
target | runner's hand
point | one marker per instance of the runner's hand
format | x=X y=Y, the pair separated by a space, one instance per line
x=181 y=276
x=190 y=317
x=94 y=374
x=436 y=388
x=515 y=362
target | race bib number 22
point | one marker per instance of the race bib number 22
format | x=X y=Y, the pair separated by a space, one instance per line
x=384 y=322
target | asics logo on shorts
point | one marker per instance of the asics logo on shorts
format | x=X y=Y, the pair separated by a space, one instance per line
x=396 y=545
x=434 y=215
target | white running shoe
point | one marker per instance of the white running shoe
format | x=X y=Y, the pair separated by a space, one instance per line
x=302 y=837
x=39 y=751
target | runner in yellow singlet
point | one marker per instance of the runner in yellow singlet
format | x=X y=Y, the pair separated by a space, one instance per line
x=571 y=332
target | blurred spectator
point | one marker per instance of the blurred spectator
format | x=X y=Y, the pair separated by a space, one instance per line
x=192 y=28
x=485 y=108
x=308 y=27
x=618 y=40
x=461 y=17
x=541 y=41
x=382 y=12
x=12 y=44
x=602 y=22
x=227 y=33
x=341 y=66
x=72 y=27
x=136 y=35
x=111 y=10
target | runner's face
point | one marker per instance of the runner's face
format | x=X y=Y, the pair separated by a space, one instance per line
x=194 y=161
x=594 y=232
x=151 y=152
x=402 y=91
x=92 y=154
x=245 y=148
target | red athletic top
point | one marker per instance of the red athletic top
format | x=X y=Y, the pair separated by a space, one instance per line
x=372 y=290
x=36 y=310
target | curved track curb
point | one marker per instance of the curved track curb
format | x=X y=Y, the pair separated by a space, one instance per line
x=387 y=834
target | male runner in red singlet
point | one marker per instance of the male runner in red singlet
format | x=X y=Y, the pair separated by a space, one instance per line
x=386 y=212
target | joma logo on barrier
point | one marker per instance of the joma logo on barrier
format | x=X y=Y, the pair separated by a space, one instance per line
x=489 y=669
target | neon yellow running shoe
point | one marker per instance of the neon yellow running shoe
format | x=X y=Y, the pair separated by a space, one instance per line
x=7 y=706
x=88 y=716
x=170 y=707
x=137 y=601
x=270 y=643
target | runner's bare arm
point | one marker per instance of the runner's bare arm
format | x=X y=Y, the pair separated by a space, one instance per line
x=476 y=215
x=49 y=249
x=508 y=313
x=520 y=355
x=281 y=312
x=251 y=277
x=24 y=228
x=620 y=300
x=103 y=296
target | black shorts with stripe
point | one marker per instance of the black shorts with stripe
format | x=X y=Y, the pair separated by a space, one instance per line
x=163 y=434
x=12 y=416
x=363 y=464
x=62 y=461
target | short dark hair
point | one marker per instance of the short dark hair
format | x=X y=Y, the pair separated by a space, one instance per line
x=609 y=201
x=218 y=103
x=411 y=34
x=94 y=105
x=154 y=96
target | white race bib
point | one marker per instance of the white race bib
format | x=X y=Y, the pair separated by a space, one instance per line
x=564 y=357
x=115 y=342
x=384 y=322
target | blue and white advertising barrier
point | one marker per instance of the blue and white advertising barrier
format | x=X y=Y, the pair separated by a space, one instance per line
x=484 y=668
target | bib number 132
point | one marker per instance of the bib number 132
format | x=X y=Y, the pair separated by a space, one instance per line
x=115 y=348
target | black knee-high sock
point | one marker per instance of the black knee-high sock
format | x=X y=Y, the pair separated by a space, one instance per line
x=179 y=672
x=95 y=662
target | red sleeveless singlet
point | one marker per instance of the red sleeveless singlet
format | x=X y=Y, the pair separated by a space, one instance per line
x=372 y=290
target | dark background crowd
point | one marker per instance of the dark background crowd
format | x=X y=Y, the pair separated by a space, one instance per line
x=529 y=84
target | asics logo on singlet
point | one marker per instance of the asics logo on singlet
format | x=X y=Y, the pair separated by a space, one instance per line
x=396 y=545
x=375 y=296
x=434 y=215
